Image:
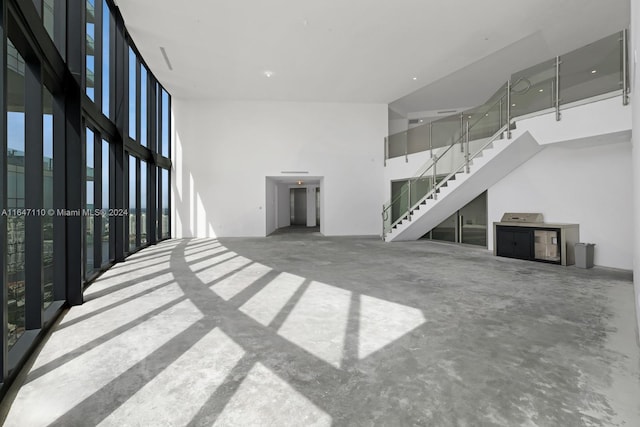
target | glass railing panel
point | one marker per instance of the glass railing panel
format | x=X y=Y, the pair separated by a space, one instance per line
x=418 y=139
x=485 y=120
x=485 y=127
x=446 y=131
x=591 y=70
x=397 y=144
x=420 y=187
x=532 y=89
x=399 y=199
x=449 y=159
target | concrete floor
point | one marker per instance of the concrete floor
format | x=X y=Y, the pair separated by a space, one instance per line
x=304 y=330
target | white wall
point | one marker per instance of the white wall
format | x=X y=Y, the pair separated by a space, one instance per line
x=224 y=151
x=271 y=201
x=588 y=185
x=635 y=81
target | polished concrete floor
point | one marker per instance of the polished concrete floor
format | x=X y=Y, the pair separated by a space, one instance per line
x=303 y=330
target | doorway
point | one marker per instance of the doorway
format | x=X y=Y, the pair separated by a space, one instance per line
x=293 y=204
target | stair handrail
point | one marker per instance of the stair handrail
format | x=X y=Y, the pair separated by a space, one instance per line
x=432 y=165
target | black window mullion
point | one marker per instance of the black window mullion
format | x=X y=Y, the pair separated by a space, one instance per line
x=97 y=200
x=119 y=156
x=38 y=5
x=59 y=197
x=3 y=192
x=74 y=153
x=60 y=26
x=34 y=290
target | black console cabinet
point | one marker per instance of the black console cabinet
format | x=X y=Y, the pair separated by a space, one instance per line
x=553 y=243
x=514 y=242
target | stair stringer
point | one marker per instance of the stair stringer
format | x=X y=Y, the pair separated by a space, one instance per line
x=496 y=163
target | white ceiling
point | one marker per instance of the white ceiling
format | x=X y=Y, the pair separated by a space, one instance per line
x=362 y=51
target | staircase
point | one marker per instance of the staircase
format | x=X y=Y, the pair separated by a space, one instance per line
x=471 y=152
x=494 y=160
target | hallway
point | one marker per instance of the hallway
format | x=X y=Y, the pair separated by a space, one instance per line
x=301 y=329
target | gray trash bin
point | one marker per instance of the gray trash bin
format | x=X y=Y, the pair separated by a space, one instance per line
x=584 y=255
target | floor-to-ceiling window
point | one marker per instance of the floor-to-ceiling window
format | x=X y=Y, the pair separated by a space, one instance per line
x=89 y=205
x=104 y=212
x=16 y=141
x=143 y=203
x=48 y=189
x=85 y=160
x=133 y=207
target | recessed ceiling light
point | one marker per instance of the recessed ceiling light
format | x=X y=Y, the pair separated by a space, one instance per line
x=299 y=182
x=415 y=78
x=513 y=105
x=541 y=90
x=594 y=71
x=268 y=73
x=421 y=120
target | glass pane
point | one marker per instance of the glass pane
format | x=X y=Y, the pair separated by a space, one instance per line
x=143 y=105
x=15 y=192
x=446 y=231
x=473 y=217
x=48 y=16
x=106 y=69
x=592 y=70
x=420 y=187
x=166 y=232
x=143 y=203
x=397 y=144
x=449 y=159
x=89 y=203
x=105 y=202
x=165 y=124
x=47 y=188
x=132 y=94
x=446 y=131
x=90 y=49
x=532 y=89
x=485 y=120
x=418 y=139
x=399 y=199
x=133 y=178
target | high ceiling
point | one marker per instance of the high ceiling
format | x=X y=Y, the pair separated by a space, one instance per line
x=361 y=51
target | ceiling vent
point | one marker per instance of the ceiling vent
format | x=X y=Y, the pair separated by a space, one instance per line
x=414 y=121
x=447 y=111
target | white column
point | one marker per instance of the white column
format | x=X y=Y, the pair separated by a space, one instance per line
x=634 y=35
x=311 y=206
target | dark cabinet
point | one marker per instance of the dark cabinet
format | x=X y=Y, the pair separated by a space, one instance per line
x=553 y=243
x=514 y=242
